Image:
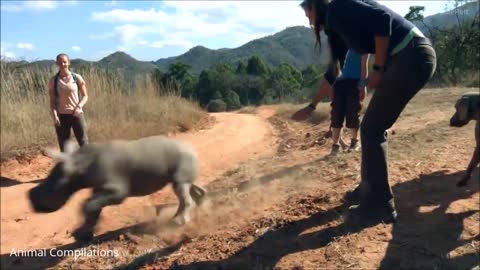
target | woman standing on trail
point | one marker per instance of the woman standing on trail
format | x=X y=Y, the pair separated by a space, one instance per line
x=65 y=103
x=404 y=61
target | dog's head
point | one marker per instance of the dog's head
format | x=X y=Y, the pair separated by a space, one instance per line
x=461 y=115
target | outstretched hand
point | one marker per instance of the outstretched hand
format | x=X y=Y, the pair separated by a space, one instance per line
x=302 y=114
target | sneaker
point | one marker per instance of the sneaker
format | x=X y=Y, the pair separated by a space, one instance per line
x=335 y=149
x=372 y=213
x=354 y=145
x=343 y=144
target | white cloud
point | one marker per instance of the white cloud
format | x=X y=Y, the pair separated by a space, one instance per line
x=76 y=48
x=35 y=5
x=187 y=22
x=25 y=46
x=167 y=42
x=40 y=5
x=4 y=50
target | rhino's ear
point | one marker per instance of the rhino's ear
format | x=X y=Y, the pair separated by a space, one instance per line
x=65 y=157
x=56 y=155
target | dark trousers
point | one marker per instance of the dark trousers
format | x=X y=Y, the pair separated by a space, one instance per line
x=408 y=71
x=346 y=104
x=68 y=122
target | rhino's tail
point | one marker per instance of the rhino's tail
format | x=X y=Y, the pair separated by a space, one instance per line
x=198 y=194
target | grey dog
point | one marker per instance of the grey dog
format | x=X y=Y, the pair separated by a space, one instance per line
x=467 y=108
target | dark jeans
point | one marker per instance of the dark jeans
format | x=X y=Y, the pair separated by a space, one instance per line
x=67 y=122
x=346 y=104
x=408 y=71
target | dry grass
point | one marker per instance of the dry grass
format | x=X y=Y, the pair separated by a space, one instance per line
x=112 y=111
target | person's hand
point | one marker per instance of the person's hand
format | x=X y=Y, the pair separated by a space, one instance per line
x=374 y=79
x=56 y=121
x=302 y=114
x=362 y=93
x=77 y=111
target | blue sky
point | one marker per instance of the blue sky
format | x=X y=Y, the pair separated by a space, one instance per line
x=147 y=30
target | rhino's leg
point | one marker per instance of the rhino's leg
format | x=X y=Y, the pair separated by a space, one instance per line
x=93 y=207
x=198 y=194
x=182 y=190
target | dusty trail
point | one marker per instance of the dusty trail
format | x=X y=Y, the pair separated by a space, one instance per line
x=234 y=138
x=290 y=215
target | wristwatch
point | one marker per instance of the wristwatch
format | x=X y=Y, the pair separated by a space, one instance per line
x=379 y=68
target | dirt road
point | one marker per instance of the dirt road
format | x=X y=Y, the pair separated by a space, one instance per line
x=289 y=213
x=234 y=138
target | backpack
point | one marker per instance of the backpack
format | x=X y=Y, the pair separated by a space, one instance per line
x=55 y=87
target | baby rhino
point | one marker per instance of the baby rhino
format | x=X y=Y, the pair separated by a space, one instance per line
x=116 y=170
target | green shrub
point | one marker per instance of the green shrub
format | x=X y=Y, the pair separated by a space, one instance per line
x=216 y=105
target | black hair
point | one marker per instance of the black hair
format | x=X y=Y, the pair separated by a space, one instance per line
x=338 y=49
x=60 y=55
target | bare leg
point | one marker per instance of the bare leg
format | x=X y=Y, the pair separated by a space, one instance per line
x=354 y=133
x=336 y=134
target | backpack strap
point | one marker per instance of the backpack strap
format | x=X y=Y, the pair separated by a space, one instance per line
x=75 y=79
x=55 y=88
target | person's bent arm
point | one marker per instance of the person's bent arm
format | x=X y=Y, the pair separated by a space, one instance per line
x=83 y=90
x=381 y=50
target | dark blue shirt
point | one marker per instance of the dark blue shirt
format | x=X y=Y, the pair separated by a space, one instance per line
x=357 y=22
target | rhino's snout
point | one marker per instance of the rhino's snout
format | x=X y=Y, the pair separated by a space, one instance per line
x=42 y=202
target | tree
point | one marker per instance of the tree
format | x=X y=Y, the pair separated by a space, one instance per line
x=283 y=82
x=256 y=66
x=250 y=89
x=457 y=47
x=177 y=79
x=311 y=76
x=241 y=68
x=204 y=93
x=232 y=100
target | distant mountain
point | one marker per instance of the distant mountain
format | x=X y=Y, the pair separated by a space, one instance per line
x=450 y=18
x=126 y=63
x=294 y=45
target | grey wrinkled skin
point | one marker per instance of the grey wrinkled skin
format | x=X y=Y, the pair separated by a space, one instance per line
x=119 y=169
x=467 y=108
